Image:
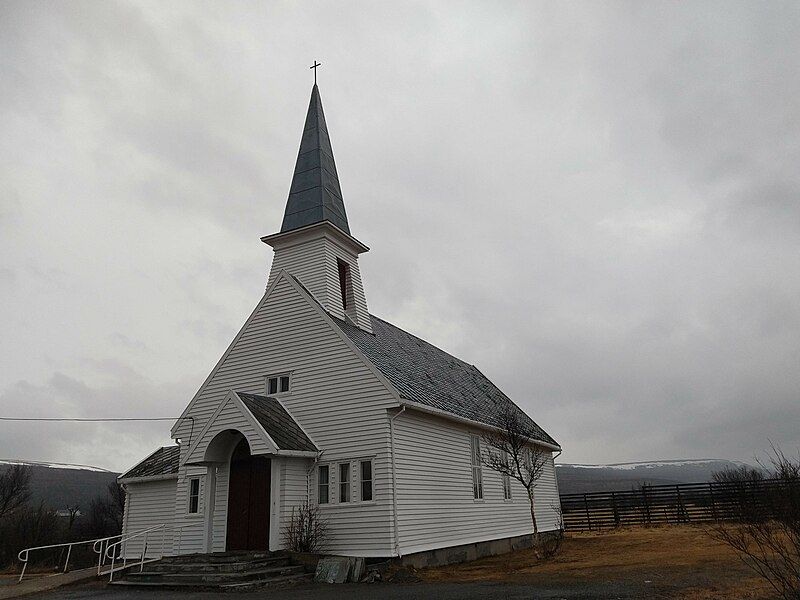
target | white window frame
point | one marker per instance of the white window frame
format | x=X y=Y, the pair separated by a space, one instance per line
x=347 y=484
x=477 y=467
x=371 y=479
x=277 y=377
x=327 y=485
x=190 y=496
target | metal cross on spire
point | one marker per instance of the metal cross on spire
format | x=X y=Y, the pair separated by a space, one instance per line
x=314 y=66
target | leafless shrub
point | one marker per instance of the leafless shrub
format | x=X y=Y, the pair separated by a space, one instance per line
x=306 y=531
x=767 y=537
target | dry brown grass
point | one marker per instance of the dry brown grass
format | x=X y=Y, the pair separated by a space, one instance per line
x=685 y=561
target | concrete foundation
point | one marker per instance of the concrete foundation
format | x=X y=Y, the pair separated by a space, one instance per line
x=467 y=552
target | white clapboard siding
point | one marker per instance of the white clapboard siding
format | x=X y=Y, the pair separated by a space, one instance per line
x=149 y=504
x=335 y=397
x=313 y=262
x=435 y=500
x=190 y=528
x=294 y=490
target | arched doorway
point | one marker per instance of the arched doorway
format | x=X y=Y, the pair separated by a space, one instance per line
x=248 y=500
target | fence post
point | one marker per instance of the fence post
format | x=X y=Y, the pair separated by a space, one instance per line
x=616 y=511
x=66 y=562
x=586 y=507
x=713 y=504
x=646 y=505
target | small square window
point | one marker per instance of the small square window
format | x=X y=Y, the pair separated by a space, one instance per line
x=194 y=496
x=278 y=384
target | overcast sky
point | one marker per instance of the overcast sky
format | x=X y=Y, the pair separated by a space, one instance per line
x=598 y=204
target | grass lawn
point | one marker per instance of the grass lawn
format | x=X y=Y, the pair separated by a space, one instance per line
x=673 y=561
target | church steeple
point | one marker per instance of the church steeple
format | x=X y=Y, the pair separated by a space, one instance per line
x=315 y=194
x=314 y=243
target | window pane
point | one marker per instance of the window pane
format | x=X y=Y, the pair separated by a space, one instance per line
x=322 y=484
x=366 y=480
x=344 y=482
x=273 y=385
x=194 y=495
x=285 y=383
x=366 y=491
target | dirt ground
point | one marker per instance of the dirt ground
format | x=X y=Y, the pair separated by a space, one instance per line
x=671 y=561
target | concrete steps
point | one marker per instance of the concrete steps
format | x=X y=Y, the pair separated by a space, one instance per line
x=222 y=571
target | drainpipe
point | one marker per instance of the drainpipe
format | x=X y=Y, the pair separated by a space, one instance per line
x=308 y=476
x=394 y=480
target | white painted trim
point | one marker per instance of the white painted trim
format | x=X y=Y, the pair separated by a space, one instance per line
x=396 y=528
x=148 y=478
x=416 y=406
x=298 y=236
x=231 y=396
x=297 y=453
x=275 y=526
x=254 y=422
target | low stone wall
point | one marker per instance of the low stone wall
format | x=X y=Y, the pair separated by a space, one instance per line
x=467 y=552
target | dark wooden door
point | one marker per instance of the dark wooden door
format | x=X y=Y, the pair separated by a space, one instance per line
x=248 y=501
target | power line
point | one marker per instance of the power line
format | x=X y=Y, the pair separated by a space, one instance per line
x=87 y=420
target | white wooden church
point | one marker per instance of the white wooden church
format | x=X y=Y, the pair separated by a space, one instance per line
x=316 y=400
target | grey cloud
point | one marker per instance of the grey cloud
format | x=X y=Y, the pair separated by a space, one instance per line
x=596 y=204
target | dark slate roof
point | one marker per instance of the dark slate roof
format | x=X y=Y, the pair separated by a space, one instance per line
x=278 y=423
x=423 y=373
x=315 y=194
x=163 y=461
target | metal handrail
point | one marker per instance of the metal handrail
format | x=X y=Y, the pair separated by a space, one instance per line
x=114 y=551
x=98 y=550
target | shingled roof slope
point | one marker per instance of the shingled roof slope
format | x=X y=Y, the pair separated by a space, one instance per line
x=163 y=461
x=425 y=374
x=278 y=423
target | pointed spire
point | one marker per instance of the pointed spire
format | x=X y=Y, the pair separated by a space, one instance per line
x=315 y=195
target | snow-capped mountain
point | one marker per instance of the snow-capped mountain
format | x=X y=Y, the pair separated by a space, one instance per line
x=625 y=476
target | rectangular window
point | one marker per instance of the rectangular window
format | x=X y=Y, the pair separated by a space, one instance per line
x=506 y=480
x=194 y=496
x=278 y=384
x=344 y=482
x=366 y=480
x=323 y=484
x=477 y=473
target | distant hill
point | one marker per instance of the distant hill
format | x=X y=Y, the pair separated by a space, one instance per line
x=573 y=478
x=60 y=486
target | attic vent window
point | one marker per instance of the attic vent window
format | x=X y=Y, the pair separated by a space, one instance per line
x=345 y=283
x=278 y=384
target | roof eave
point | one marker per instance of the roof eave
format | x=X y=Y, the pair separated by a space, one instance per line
x=287 y=236
x=410 y=404
x=121 y=479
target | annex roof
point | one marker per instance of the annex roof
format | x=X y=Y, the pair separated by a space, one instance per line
x=315 y=194
x=163 y=461
x=427 y=375
x=277 y=422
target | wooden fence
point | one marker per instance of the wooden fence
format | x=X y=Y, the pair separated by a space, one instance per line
x=683 y=503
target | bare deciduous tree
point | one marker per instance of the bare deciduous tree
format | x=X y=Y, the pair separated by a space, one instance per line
x=513 y=452
x=766 y=536
x=14 y=488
